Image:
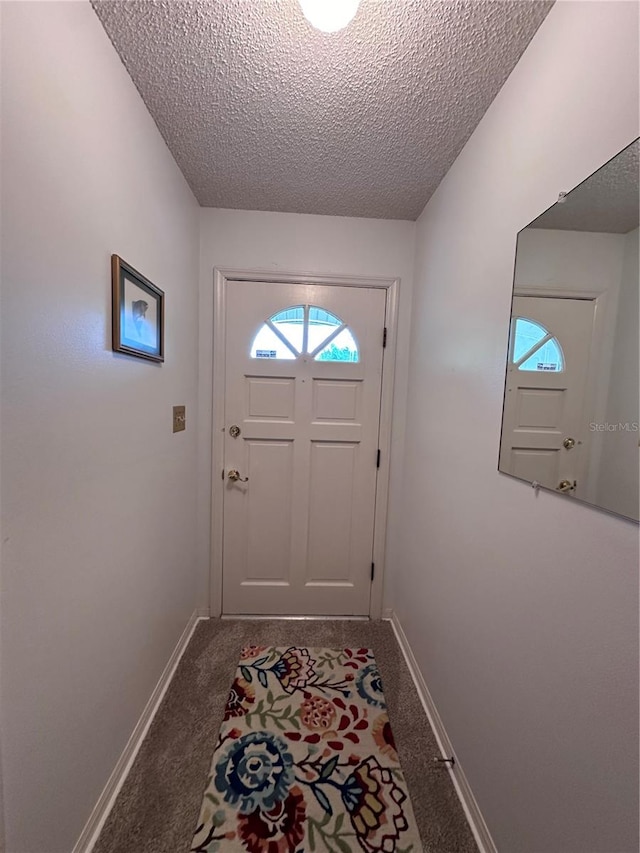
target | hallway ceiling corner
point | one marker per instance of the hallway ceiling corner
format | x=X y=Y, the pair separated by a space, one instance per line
x=263 y=112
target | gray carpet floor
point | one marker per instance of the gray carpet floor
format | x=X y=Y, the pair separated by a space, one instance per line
x=157 y=808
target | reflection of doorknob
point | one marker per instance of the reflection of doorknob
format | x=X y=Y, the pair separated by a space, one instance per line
x=566 y=486
x=234 y=476
x=569 y=443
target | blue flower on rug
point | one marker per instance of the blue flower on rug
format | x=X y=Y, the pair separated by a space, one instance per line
x=369 y=686
x=255 y=772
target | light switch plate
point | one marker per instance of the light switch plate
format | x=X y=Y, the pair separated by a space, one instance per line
x=179 y=418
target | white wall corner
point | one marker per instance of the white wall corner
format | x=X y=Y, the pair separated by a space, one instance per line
x=107 y=798
x=469 y=804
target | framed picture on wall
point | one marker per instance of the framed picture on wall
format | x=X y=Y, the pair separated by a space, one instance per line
x=138 y=313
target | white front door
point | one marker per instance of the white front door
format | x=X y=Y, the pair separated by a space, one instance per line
x=544 y=428
x=302 y=409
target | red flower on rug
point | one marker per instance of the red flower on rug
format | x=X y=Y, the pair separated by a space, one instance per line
x=374 y=802
x=317 y=713
x=383 y=736
x=249 y=652
x=337 y=723
x=279 y=830
x=241 y=696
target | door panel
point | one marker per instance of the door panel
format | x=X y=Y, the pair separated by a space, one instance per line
x=298 y=535
x=540 y=408
x=336 y=400
x=534 y=465
x=331 y=511
x=271 y=397
x=267 y=503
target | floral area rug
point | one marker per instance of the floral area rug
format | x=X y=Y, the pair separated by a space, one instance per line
x=305 y=760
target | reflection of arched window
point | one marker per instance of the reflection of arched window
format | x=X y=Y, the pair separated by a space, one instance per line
x=308 y=330
x=535 y=348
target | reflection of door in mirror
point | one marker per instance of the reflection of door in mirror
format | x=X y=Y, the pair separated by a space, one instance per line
x=571 y=410
x=543 y=432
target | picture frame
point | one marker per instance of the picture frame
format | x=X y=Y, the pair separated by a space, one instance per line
x=137 y=313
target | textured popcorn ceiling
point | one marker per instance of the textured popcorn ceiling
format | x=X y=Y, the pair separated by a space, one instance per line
x=608 y=201
x=263 y=112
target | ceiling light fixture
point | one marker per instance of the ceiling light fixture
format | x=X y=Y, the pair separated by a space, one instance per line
x=329 y=15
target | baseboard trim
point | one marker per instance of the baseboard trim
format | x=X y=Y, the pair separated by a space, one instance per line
x=252 y=617
x=465 y=794
x=107 y=798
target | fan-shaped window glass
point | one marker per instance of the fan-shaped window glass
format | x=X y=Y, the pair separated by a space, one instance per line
x=528 y=334
x=267 y=344
x=341 y=348
x=305 y=329
x=321 y=325
x=535 y=348
x=291 y=325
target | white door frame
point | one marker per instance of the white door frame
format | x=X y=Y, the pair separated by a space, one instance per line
x=222 y=277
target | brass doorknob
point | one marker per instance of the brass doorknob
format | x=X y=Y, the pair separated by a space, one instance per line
x=234 y=475
x=565 y=486
x=569 y=443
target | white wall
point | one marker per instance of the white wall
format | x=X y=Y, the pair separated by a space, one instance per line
x=299 y=243
x=98 y=495
x=618 y=482
x=522 y=610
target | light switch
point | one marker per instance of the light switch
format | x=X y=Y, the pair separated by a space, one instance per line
x=179 y=418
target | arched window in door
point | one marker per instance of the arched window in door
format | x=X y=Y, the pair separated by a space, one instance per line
x=305 y=330
x=535 y=348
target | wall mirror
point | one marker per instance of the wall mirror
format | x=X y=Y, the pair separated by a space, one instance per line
x=571 y=410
